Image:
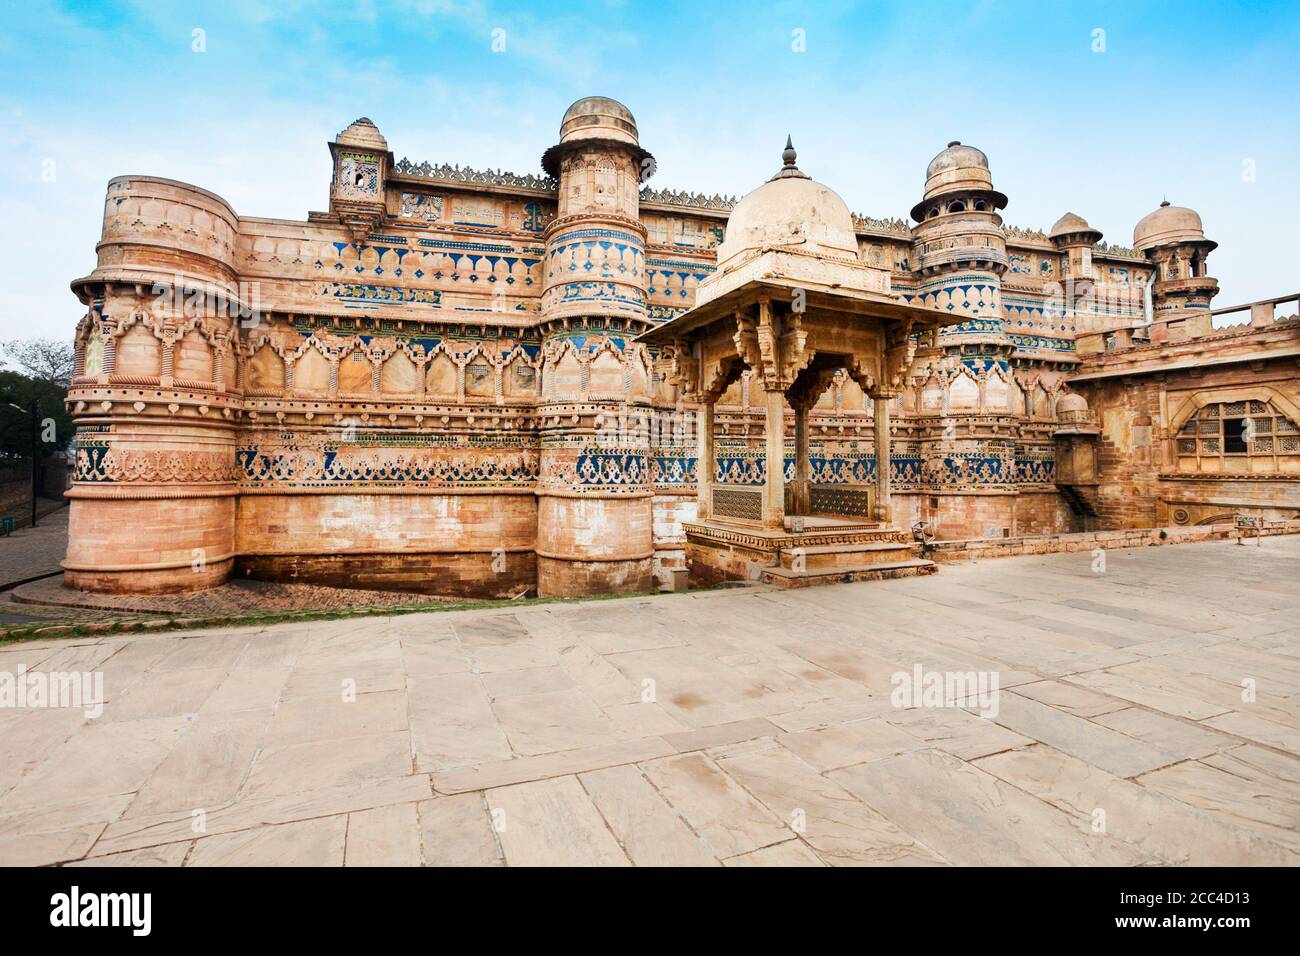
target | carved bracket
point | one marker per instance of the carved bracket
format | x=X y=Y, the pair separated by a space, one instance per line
x=774 y=347
x=684 y=372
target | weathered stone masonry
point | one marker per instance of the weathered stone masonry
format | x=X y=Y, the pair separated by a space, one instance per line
x=433 y=385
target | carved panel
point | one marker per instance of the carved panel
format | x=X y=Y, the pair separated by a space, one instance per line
x=744 y=504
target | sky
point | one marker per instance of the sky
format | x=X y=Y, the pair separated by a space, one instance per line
x=1097 y=108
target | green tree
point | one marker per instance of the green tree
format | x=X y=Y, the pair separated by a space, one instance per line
x=43 y=375
x=54 y=423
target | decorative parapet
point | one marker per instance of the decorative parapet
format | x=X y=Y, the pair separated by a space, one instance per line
x=898 y=227
x=1033 y=235
x=467 y=176
x=1109 y=249
x=447 y=173
x=1101 y=248
x=672 y=197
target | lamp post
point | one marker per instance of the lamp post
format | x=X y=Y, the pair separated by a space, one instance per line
x=36 y=438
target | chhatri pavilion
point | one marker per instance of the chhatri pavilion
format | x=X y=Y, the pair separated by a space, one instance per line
x=475 y=383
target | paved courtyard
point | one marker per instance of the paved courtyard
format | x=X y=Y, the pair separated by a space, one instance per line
x=1147 y=714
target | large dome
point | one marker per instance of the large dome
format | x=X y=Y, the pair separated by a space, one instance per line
x=1166 y=226
x=598 y=117
x=790 y=209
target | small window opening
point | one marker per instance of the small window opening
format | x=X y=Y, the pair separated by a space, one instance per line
x=1234 y=436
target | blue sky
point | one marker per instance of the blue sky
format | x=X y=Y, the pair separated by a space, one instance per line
x=1182 y=98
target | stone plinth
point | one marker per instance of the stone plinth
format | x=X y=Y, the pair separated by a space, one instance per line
x=826 y=551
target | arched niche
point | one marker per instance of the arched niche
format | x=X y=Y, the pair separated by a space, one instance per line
x=606 y=376
x=399 y=375
x=265 y=371
x=480 y=379
x=997 y=394
x=355 y=374
x=139 y=353
x=440 y=379
x=963 y=393
x=311 y=373
x=520 y=379
x=565 y=376
x=192 y=358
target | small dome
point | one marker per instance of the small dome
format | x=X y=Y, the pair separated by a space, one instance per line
x=957 y=156
x=363 y=133
x=1168 y=225
x=958 y=168
x=1069 y=223
x=598 y=117
x=1071 y=402
x=790 y=209
x=1073 y=225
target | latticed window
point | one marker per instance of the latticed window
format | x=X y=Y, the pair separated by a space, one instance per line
x=1247 y=428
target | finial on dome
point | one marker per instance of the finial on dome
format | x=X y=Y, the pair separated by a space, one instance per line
x=788 y=156
x=955 y=142
x=1163 y=203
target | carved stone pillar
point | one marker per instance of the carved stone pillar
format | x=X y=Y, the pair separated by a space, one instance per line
x=883 y=508
x=705 y=463
x=802 y=497
x=774 y=486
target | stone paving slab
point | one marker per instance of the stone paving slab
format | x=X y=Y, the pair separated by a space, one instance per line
x=30 y=552
x=1147 y=715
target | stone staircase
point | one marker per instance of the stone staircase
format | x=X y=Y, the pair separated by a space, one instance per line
x=1080 y=499
x=891 y=556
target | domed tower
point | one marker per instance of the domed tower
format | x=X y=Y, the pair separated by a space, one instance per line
x=960 y=251
x=595 y=246
x=1075 y=238
x=1173 y=240
x=595 y=496
x=361 y=164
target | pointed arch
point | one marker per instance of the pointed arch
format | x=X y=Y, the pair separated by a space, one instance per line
x=265 y=370
x=441 y=374
x=520 y=378
x=963 y=391
x=401 y=372
x=355 y=369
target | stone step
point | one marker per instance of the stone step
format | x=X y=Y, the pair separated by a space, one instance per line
x=785 y=578
x=848 y=555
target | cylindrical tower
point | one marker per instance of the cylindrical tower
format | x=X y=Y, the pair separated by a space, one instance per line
x=154 y=394
x=594 y=495
x=959 y=257
x=960 y=249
